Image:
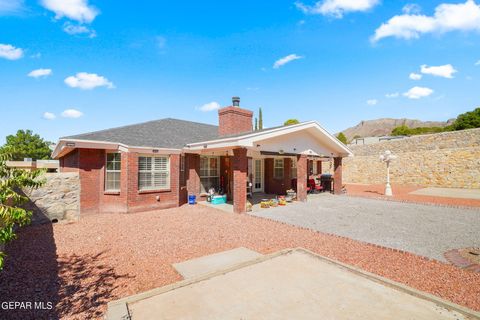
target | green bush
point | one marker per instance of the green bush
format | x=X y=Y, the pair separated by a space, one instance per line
x=11 y=212
x=468 y=120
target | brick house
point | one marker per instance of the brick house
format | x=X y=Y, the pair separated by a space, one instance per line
x=156 y=164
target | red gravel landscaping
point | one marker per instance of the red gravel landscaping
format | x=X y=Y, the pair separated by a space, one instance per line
x=402 y=193
x=83 y=265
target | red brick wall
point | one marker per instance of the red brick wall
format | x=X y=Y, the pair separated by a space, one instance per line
x=240 y=168
x=226 y=175
x=151 y=200
x=91 y=164
x=94 y=199
x=69 y=162
x=234 y=120
x=114 y=202
x=277 y=186
x=302 y=175
x=192 y=167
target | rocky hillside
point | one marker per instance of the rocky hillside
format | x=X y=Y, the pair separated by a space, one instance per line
x=383 y=127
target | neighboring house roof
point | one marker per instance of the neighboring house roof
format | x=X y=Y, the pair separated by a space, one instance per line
x=164 y=133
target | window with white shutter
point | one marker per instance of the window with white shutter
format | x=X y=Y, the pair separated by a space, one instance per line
x=153 y=173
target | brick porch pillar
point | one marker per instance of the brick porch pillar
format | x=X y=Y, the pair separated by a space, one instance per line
x=192 y=170
x=302 y=174
x=240 y=168
x=337 y=175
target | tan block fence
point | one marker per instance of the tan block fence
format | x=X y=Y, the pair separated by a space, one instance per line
x=448 y=159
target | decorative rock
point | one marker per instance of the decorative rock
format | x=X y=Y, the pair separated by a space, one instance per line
x=58 y=198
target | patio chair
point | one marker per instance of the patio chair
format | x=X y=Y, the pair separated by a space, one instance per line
x=312 y=187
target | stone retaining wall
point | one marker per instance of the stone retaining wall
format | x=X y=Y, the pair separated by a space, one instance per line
x=448 y=159
x=58 y=199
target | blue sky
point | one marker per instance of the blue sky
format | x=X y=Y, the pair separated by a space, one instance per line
x=109 y=63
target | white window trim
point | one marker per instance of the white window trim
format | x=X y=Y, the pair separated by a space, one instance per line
x=218 y=167
x=154 y=188
x=293 y=168
x=276 y=167
x=112 y=171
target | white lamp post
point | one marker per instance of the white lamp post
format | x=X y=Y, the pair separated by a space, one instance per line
x=387 y=157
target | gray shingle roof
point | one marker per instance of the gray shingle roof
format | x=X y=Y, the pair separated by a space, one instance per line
x=164 y=133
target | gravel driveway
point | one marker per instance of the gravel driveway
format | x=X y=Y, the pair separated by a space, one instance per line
x=421 y=229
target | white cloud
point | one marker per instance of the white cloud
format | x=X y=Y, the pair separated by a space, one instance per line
x=88 y=81
x=337 y=8
x=445 y=71
x=9 y=52
x=72 y=113
x=212 y=106
x=418 y=92
x=283 y=61
x=392 y=95
x=40 y=73
x=10 y=7
x=415 y=76
x=49 y=116
x=447 y=17
x=477 y=63
x=411 y=8
x=78 y=10
x=372 y=102
x=78 y=29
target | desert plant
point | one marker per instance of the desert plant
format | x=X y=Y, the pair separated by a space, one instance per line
x=11 y=212
x=290 y=122
x=342 y=138
x=260 y=119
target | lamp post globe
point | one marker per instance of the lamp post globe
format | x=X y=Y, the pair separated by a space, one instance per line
x=388 y=157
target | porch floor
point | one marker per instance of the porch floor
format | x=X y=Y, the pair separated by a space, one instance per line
x=255 y=200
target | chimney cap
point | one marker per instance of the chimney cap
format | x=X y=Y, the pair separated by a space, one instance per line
x=236 y=101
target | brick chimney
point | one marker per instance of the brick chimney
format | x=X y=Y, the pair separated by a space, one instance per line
x=234 y=120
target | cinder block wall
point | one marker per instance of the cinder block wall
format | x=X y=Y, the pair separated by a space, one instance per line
x=448 y=159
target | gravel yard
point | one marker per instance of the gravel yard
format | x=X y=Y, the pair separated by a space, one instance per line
x=83 y=265
x=425 y=230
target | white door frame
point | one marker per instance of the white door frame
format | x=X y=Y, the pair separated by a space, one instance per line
x=262 y=175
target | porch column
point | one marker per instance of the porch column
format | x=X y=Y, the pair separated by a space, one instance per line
x=302 y=174
x=240 y=168
x=337 y=175
x=192 y=170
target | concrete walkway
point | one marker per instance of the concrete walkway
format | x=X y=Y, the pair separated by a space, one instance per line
x=449 y=193
x=425 y=230
x=215 y=262
x=294 y=284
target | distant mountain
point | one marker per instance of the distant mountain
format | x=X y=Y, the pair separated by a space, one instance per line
x=384 y=127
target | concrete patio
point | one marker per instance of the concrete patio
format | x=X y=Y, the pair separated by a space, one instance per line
x=291 y=284
x=425 y=230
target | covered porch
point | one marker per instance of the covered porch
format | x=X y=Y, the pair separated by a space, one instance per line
x=264 y=163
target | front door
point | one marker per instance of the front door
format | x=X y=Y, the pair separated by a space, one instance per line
x=258 y=175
